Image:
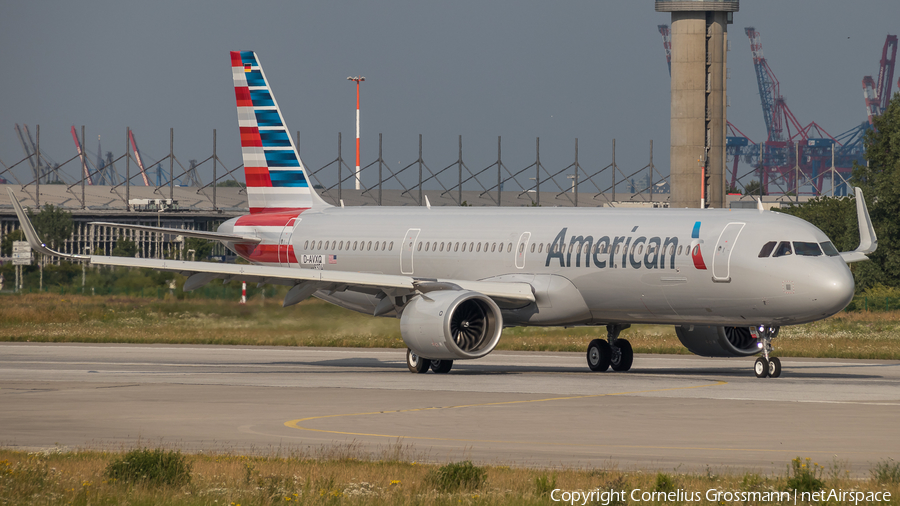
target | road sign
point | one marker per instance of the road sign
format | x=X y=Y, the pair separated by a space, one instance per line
x=21 y=253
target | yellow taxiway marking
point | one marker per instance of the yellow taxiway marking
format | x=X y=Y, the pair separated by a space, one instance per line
x=295 y=424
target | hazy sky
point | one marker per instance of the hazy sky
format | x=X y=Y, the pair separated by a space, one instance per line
x=593 y=70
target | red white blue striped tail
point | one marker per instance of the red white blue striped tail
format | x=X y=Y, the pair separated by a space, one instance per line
x=276 y=177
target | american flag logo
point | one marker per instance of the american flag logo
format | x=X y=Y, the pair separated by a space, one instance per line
x=332 y=259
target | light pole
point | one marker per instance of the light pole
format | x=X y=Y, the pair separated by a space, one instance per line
x=358 y=80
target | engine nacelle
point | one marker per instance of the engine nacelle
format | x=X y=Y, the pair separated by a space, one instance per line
x=451 y=325
x=708 y=341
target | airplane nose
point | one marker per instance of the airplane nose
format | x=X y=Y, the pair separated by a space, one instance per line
x=835 y=287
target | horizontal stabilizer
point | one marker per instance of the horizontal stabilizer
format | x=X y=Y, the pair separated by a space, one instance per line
x=200 y=234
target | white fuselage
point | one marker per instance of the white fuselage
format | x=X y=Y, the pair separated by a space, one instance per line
x=587 y=266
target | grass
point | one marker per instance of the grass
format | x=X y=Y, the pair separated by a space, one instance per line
x=347 y=477
x=119 y=319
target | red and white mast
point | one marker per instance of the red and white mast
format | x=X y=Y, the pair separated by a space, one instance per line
x=358 y=79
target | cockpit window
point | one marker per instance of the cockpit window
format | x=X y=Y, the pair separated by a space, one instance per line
x=784 y=249
x=829 y=249
x=807 y=249
x=767 y=249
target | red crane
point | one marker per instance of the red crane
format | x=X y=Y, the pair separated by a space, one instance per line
x=877 y=94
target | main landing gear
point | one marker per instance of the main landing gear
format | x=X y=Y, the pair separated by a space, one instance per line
x=419 y=365
x=766 y=366
x=615 y=352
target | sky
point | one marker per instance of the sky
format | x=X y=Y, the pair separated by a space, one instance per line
x=588 y=70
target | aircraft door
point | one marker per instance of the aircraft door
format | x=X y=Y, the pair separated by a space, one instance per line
x=724 y=249
x=285 y=249
x=407 y=249
x=521 y=249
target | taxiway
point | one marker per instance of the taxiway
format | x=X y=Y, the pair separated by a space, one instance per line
x=513 y=408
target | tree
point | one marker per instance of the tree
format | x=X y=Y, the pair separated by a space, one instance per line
x=230 y=183
x=125 y=247
x=53 y=225
x=752 y=188
x=880 y=182
x=8 y=239
x=202 y=248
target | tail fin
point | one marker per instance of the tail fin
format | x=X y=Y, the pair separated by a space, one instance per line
x=276 y=177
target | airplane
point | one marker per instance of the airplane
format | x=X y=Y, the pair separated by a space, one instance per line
x=726 y=279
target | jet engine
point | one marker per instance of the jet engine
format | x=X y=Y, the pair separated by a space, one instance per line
x=708 y=341
x=451 y=325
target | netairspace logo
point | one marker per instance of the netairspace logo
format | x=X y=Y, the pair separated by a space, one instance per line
x=607 y=497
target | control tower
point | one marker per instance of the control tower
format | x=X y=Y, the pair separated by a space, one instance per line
x=699 y=38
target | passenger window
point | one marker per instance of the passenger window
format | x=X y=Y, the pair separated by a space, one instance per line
x=442 y=246
x=767 y=249
x=493 y=247
x=456 y=247
x=471 y=246
x=640 y=249
x=533 y=246
x=807 y=249
x=320 y=245
x=509 y=247
x=541 y=248
x=391 y=246
x=420 y=247
x=478 y=248
x=341 y=245
x=306 y=245
x=829 y=249
x=784 y=249
x=354 y=245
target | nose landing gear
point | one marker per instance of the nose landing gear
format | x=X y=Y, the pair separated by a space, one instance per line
x=766 y=366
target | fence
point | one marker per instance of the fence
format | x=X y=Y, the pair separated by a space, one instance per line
x=483 y=181
x=570 y=183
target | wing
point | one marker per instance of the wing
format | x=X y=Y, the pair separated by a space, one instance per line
x=304 y=281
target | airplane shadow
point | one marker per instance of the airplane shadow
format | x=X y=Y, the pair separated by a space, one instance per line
x=742 y=370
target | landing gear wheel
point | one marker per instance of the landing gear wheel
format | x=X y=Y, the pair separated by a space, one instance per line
x=622 y=358
x=415 y=363
x=441 y=366
x=598 y=355
x=774 y=367
x=761 y=367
